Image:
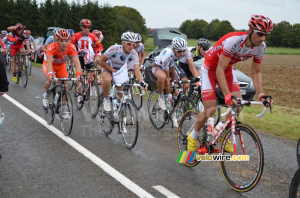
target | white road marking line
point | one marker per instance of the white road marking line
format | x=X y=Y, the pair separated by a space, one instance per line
x=165 y=191
x=103 y=165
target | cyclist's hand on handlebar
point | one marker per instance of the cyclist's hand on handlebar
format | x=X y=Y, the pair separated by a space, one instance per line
x=230 y=100
x=266 y=100
x=144 y=85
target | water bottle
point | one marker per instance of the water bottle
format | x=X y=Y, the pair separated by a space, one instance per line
x=115 y=103
x=56 y=98
x=219 y=128
x=1 y=117
x=210 y=128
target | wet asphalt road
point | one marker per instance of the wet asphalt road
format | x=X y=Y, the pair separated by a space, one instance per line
x=37 y=163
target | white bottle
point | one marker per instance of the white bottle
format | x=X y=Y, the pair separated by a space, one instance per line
x=56 y=98
x=210 y=128
x=220 y=126
x=115 y=103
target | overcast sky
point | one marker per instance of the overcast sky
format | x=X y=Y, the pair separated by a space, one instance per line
x=171 y=13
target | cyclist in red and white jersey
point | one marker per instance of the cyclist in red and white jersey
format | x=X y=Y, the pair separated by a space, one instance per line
x=139 y=48
x=16 y=37
x=218 y=68
x=115 y=57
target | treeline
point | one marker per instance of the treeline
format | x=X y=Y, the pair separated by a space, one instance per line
x=112 y=21
x=284 y=34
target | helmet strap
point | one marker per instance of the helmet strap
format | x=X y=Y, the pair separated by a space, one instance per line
x=250 y=37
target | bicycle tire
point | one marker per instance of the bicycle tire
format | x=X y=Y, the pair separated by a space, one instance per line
x=65 y=110
x=185 y=103
x=106 y=118
x=294 y=191
x=131 y=119
x=235 y=176
x=136 y=97
x=185 y=126
x=298 y=152
x=71 y=75
x=49 y=111
x=94 y=97
x=156 y=114
x=24 y=75
x=78 y=104
x=29 y=66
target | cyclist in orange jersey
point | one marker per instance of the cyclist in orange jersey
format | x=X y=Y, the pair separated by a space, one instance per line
x=57 y=55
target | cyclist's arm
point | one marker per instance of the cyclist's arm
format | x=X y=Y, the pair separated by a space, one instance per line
x=11 y=28
x=104 y=64
x=44 y=47
x=142 y=58
x=257 y=78
x=138 y=72
x=220 y=73
x=49 y=64
x=34 y=44
x=192 y=67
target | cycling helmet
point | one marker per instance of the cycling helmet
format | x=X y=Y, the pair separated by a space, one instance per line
x=139 y=37
x=179 y=43
x=27 y=32
x=71 y=32
x=204 y=43
x=62 y=34
x=85 y=22
x=97 y=32
x=20 y=26
x=261 y=23
x=129 y=36
x=4 y=32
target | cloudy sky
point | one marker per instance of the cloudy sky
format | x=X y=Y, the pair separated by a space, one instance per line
x=171 y=13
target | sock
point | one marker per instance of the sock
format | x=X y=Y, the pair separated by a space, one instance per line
x=161 y=95
x=14 y=74
x=195 y=134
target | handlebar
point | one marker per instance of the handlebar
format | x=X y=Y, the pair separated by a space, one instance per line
x=246 y=102
x=128 y=84
x=182 y=82
x=65 y=79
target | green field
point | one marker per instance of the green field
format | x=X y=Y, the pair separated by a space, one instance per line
x=193 y=42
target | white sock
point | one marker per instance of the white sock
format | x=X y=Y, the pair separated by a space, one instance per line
x=195 y=134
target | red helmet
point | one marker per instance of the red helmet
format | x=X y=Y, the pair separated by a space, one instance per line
x=97 y=32
x=27 y=32
x=85 y=22
x=62 y=34
x=261 y=23
x=20 y=26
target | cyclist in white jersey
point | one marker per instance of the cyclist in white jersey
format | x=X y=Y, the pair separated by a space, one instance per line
x=31 y=41
x=218 y=68
x=114 y=58
x=139 y=48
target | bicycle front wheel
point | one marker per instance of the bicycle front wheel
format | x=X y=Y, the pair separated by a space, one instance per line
x=295 y=185
x=93 y=99
x=129 y=124
x=106 y=117
x=156 y=114
x=78 y=104
x=71 y=75
x=24 y=75
x=136 y=97
x=65 y=109
x=29 y=66
x=49 y=111
x=185 y=103
x=242 y=173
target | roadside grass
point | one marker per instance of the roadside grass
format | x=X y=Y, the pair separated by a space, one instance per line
x=37 y=64
x=193 y=42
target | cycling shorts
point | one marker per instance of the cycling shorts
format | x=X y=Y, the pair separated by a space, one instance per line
x=61 y=70
x=209 y=81
x=15 y=48
x=173 y=76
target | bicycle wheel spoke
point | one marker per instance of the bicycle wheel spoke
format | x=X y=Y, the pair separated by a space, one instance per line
x=66 y=113
x=243 y=175
x=156 y=114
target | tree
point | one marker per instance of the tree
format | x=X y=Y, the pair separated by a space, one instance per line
x=196 y=28
x=209 y=27
x=221 y=29
x=184 y=26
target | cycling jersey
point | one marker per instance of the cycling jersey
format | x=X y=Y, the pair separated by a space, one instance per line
x=6 y=43
x=140 y=48
x=16 y=39
x=2 y=45
x=117 y=57
x=50 y=40
x=84 y=44
x=232 y=45
x=31 y=40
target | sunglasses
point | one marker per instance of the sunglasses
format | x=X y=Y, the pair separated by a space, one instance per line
x=260 y=34
x=86 y=27
x=180 y=51
x=130 y=44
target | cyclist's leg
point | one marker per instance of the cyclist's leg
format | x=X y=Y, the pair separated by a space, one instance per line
x=107 y=78
x=22 y=52
x=13 y=52
x=161 y=78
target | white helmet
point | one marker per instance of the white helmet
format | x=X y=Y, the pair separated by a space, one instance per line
x=129 y=36
x=179 y=43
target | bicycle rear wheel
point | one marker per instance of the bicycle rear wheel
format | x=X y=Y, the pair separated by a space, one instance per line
x=243 y=176
x=29 y=65
x=71 y=75
x=24 y=75
x=185 y=103
x=93 y=98
x=78 y=104
x=298 y=152
x=136 y=96
x=106 y=117
x=129 y=124
x=295 y=185
x=65 y=110
x=49 y=111
x=156 y=114
x=185 y=126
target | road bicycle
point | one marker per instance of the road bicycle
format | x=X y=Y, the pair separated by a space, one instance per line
x=89 y=92
x=8 y=60
x=28 y=63
x=158 y=116
x=241 y=176
x=136 y=92
x=60 y=103
x=21 y=70
x=71 y=74
x=123 y=113
x=298 y=152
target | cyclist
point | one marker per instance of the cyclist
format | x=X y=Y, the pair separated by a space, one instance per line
x=57 y=55
x=2 y=47
x=114 y=58
x=71 y=31
x=16 y=37
x=49 y=40
x=83 y=41
x=31 y=41
x=186 y=68
x=139 y=48
x=95 y=47
x=98 y=34
x=163 y=68
x=218 y=68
